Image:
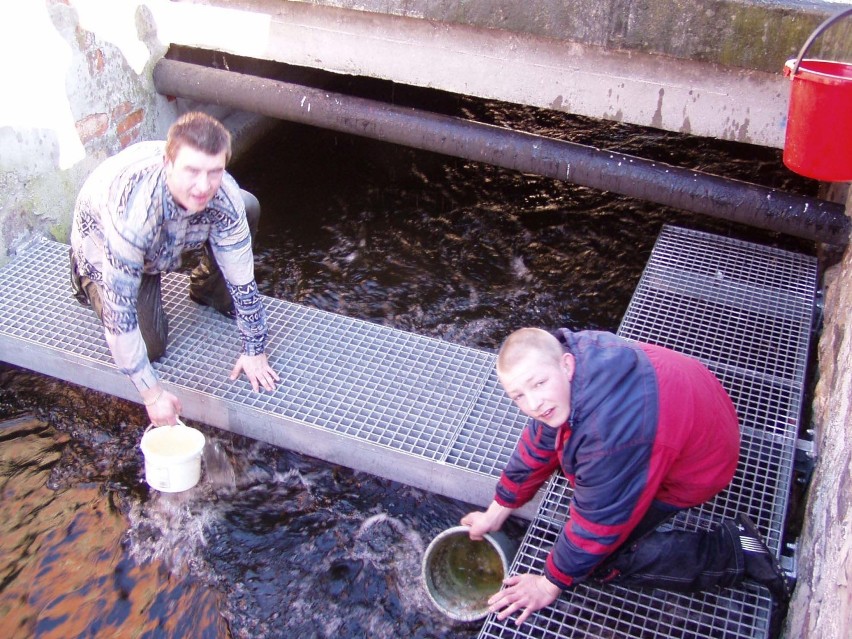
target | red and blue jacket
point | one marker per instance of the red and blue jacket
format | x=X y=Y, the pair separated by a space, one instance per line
x=646 y=424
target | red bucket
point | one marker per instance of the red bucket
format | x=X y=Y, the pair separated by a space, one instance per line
x=818 y=142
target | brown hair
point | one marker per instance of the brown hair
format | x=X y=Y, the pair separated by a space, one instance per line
x=522 y=342
x=200 y=131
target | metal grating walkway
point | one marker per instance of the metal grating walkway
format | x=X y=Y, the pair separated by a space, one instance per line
x=410 y=408
x=431 y=414
x=746 y=311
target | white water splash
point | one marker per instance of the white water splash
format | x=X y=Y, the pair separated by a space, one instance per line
x=170 y=527
x=218 y=469
x=405 y=556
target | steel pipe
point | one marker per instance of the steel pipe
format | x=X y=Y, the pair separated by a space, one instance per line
x=671 y=186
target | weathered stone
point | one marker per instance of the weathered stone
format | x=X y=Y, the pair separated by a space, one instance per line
x=822 y=603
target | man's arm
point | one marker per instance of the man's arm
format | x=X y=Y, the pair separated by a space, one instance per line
x=163 y=407
x=231 y=241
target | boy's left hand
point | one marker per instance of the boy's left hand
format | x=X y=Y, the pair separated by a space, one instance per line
x=527 y=592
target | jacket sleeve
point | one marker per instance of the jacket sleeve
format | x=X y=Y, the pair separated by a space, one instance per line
x=530 y=466
x=611 y=494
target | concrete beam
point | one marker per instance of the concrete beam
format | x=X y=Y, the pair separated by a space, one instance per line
x=546 y=55
x=752 y=34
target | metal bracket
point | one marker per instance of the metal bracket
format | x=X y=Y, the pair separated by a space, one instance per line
x=805 y=459
x=790 y=560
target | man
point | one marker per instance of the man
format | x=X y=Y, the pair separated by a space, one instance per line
x=135 y=216
x=640 y=432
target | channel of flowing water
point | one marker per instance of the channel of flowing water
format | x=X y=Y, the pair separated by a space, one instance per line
x=273 y=544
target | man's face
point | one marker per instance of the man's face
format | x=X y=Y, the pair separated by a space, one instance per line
x=541 y=387
x=193 y=177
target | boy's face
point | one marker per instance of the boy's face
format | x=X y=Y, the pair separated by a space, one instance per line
x=541 y=387
x=193 y=177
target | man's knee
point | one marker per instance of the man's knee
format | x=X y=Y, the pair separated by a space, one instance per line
x=155 y=347
x=252 y=210
x=152 y=319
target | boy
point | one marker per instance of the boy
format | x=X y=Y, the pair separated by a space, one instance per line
x=640 y=432
x=135 y=216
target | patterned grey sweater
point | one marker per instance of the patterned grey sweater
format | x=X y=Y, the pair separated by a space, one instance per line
x=126 y=223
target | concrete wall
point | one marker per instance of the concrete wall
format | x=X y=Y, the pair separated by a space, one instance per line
x=740 y=33
x=822 y=604
x=76 y=89
x=711 y=69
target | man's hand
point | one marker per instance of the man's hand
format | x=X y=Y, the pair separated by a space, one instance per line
x=258 y=371
x=524 y=592
x=486 y=522
x=163 y=407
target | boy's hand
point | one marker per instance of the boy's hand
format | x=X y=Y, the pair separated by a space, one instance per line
x=486 y=522
x=478 y=524
x=523 y=592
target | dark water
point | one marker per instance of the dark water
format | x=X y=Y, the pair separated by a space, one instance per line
x=273 y=544
x=465 y=251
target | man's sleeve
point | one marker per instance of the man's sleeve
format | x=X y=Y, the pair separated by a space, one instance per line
x=231 y=242
x=124 y=256
x=530 y=466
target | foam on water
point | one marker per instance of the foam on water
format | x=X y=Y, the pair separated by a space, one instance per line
x=170 y=527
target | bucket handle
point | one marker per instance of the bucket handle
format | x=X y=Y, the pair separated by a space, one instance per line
x=818 y=32
x=177 y=420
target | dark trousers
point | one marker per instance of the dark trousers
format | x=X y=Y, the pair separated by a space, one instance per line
x=207 y=285
x=683 y=561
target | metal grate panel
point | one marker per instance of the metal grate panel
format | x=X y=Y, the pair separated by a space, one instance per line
x=745 y=311
x=375 y=384
x=488 y=437
x=56 y=321
x=371 y=382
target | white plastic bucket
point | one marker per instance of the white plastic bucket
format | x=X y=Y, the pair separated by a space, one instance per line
x=172 y=457
x=460 y=574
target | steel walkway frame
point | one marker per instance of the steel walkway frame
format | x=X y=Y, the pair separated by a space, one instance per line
x=431 y=414
x=414 y=409
x=747 y=312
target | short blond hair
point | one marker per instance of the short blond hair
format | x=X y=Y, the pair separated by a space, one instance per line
x=524 y=341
